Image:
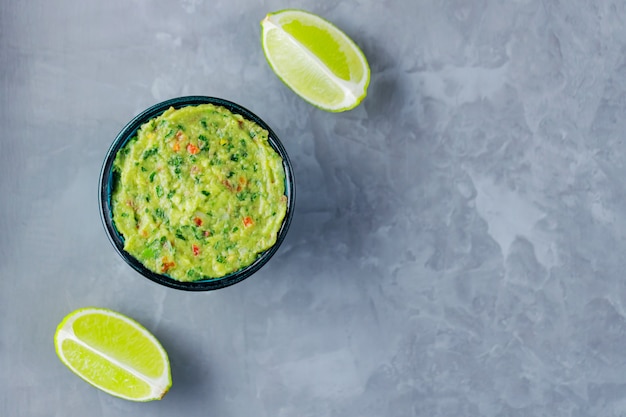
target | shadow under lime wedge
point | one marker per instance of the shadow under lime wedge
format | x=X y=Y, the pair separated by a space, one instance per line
x=315 y=59
x=114 y=353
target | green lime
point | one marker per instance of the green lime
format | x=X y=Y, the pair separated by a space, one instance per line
x=114 y=353
x=315 y=59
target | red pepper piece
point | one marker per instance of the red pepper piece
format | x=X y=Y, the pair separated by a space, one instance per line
x=192 y=149
x=247 y=221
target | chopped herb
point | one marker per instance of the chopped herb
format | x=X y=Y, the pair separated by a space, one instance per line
x=175 y=161
x=159 y=191
x=203 y=123
x=252 y=133
x=234 y=157
x=180 y=235
x=147 y=154
x=230 y=174
x=152 y=176
x=169 y=134
x=171 y=194
x=158 y=212
x=143 y=169
x=198 y=233
x=206 y=193
x=221 y=259
x=205 y=141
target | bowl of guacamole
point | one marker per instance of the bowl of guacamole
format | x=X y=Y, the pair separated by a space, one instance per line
x=196 y=193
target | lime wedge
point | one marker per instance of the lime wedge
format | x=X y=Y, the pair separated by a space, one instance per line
x=114 y=353
x=315 y=59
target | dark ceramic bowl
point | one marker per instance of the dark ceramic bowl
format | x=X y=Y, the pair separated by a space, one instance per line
x=106 y=186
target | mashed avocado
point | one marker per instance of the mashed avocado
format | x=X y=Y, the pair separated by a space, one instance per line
x=199 y=193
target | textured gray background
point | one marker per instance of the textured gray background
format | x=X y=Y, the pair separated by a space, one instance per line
x=457 y=247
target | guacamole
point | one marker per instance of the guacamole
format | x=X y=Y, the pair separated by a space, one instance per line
x=198 y=193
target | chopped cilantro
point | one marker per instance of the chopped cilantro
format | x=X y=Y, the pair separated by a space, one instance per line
x=176 y=160
x=147 y=154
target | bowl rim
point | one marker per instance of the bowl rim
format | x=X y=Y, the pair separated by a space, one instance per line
x=105 y=189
